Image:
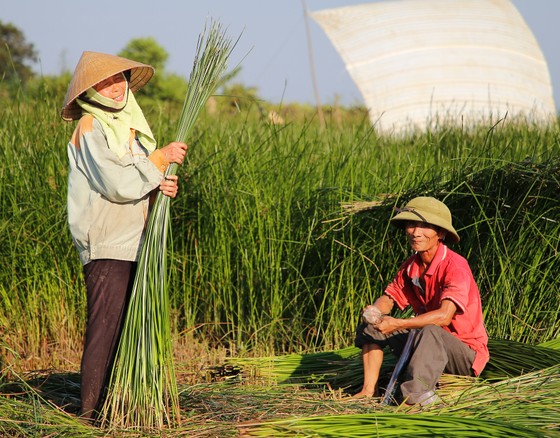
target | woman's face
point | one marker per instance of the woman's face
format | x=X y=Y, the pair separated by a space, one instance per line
x=423 y=237
x=113 y=87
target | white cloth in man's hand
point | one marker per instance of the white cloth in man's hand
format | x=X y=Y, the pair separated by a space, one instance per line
x=372 y=315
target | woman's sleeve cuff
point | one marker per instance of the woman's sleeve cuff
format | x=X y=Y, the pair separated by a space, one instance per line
x=157 y=157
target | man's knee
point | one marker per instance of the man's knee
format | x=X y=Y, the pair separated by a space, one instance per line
x=429 y=331
x=430 y=336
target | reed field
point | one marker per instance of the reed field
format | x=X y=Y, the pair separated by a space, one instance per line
x=279 y=237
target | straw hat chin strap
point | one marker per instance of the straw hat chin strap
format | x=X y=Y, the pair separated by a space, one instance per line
x=410 y=210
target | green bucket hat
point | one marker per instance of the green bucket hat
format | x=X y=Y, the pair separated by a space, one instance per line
x=429 y=210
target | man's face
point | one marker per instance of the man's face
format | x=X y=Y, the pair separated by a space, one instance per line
x=422 y=236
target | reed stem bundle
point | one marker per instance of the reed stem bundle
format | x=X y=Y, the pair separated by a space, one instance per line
x=143 y=390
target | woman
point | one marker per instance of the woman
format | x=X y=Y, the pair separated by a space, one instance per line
x=114 y=168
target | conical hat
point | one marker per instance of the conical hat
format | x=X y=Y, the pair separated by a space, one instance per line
x=95 y=67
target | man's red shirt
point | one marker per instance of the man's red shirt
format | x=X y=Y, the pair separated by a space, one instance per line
x=448 y=277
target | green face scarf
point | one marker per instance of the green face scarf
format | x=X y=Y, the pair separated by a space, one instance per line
x=119 y=120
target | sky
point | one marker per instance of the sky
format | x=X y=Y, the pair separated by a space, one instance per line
x=273 y=50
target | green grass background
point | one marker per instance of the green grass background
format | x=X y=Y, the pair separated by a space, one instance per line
x=264 y=258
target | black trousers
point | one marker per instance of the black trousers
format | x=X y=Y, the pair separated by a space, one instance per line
x=108 y=284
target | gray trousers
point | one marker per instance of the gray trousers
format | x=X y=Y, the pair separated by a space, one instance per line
x=108 y=285
x=435 y=351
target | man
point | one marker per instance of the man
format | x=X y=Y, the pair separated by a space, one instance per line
x=439 y=286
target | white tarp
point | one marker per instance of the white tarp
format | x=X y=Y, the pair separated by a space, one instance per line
x=423 y=63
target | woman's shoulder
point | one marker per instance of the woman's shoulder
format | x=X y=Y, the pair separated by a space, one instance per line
x=86 y=124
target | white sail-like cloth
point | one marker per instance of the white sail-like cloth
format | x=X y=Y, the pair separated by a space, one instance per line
x=426 y=63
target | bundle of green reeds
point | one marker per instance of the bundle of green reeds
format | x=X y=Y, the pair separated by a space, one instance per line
x=525 y=406
x=143 y=390
x=390 y=425
x=343 y=368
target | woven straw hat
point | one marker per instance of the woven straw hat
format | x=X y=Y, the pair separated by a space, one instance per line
x=429 y=210
x=94 y=67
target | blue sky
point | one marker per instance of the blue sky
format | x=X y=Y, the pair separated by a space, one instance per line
x=273 y=46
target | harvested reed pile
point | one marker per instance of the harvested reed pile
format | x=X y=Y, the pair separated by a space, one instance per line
x=343 y=368
x=520 y=406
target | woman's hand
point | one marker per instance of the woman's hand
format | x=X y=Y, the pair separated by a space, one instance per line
x=175 y=152
x=169 y=185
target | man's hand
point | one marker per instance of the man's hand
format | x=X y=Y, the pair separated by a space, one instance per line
x=388 y=325
x=372 y=315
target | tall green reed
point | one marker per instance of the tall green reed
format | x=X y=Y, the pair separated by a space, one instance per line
x=35 y=244
x=287 y=185
x=264 y=256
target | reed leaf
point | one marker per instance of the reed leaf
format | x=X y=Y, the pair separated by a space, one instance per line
x=143 y=391
x=553 y=343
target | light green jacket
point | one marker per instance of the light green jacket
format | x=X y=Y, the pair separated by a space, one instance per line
x=108 y=196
